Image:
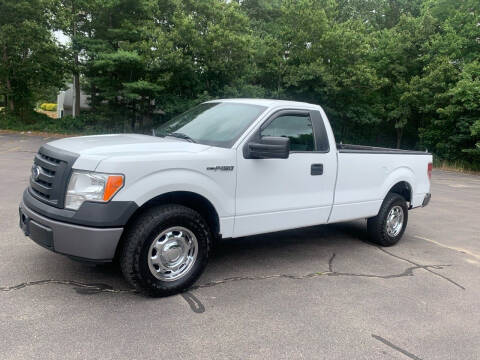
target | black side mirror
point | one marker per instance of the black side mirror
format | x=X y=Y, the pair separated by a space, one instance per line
x=268 y=147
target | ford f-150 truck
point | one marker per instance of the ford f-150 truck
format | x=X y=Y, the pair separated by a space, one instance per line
x=224 y=169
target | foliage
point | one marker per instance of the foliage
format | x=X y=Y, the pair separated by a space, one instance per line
x=84 y=124
x=48 y=106
x=31 y=61
x=402 y=73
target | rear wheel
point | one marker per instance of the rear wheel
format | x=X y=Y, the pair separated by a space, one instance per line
x=387 y=228
x=166 y=250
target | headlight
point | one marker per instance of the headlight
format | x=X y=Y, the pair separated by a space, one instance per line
x=91 y=186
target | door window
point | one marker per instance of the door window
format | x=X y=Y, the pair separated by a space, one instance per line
x=297 y=128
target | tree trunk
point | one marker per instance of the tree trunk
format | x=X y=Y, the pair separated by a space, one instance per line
x=92 y=99
x=11 y=104
x=133 y=120
x=76 y=95
x=8 y=96
x=141 y=114
x=76 y=75
x=399 y=137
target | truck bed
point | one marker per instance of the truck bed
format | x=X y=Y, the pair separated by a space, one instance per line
x=361 y=149
x=365 y=174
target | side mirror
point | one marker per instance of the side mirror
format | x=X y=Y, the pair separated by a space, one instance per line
x=268 y=147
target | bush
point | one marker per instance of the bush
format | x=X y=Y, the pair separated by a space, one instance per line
x=48 y=107
x=87 y=123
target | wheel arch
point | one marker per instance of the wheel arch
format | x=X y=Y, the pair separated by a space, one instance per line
x=402 y=188
x=400 y=181
x=189 y=199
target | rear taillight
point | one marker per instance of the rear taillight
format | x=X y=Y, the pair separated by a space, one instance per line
x=429 y=171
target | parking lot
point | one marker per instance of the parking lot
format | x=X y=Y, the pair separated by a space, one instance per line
x=318 y=293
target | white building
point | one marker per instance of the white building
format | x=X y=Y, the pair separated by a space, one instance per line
x=65 y=101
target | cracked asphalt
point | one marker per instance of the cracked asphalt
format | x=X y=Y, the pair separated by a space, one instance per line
x=318 y=293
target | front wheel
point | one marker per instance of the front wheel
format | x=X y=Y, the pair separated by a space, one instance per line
x=387 y=228
x=166 y=250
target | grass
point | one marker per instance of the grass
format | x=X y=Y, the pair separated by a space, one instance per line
x=458 y=166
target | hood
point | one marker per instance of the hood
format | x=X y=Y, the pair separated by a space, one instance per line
x=93 y=149
x=128 y=144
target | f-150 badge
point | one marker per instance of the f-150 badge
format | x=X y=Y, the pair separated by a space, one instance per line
x=221 y=168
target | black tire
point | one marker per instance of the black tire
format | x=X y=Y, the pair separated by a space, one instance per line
x=140 y=236
x=377 y=226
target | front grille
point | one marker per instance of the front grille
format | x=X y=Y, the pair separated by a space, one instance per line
x=50 y=173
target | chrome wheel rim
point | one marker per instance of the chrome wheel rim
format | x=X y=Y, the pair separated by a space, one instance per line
x=394 y=222
x=172 y=254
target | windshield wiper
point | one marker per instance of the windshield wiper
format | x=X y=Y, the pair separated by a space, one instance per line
x=181 y=136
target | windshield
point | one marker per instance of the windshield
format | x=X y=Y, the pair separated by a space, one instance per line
x=216 y=124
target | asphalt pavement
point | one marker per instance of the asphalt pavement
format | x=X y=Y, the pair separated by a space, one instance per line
x=318 y=293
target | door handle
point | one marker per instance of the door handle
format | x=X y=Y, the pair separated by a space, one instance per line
x=316 y=169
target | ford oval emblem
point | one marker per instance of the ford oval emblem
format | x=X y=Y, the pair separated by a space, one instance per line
x=35 y=172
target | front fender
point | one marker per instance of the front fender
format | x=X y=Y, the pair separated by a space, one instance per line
x=220 y=194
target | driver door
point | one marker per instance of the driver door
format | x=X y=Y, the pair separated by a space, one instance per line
x=278 y=194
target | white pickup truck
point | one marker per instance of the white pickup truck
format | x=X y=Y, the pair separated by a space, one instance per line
x=224 y=169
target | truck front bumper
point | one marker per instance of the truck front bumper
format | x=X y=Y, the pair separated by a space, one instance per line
x=79 y=242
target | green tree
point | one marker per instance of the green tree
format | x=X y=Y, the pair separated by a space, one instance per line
x=449 y=86
x=115 y=68
x=397 y=61
x=31 y=60
x=143 y=56
x=306 y=55
x=72 y=17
